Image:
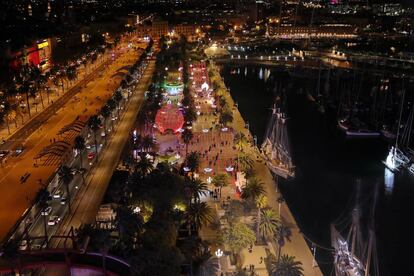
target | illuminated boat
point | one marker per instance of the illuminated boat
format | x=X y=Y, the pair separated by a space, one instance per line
x=276 y=147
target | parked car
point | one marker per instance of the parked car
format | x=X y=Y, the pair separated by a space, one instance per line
x=63 y=200
x=58 y=194
x=53 y=220
x=23 y=245
x=47 y=211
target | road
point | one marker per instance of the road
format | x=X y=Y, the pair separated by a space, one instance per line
x=18 y=196
x=86 y=207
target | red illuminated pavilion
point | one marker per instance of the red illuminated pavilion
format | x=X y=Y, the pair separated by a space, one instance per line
x=169 y=117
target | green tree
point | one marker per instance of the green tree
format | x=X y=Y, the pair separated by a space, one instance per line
x=106 y=113
x=194 y=189
x=11 y=255
x=79 y=145
x=144 y=166
x=42 y=200
x=238 y=236
x=286 y=266
x=99 y=240
x=234 y=210
x=200 y=214
x=244 y=161
x=268 y=223
x=147 y=143
x=220 y=180
x=66 y=177
x=254 y=192
x=192 y=161
x=283 y=233
x=226 y=116
x=209 y=266
x=240 y=140
x=129 y=225
x=187 y=135
x=94 y=124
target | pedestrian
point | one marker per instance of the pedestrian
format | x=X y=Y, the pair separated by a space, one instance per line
x=261 y=260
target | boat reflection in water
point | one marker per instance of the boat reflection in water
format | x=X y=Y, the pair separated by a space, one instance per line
x=388 y=181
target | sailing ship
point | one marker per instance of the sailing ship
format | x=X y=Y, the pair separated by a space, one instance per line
x=354 y=255
x=276 y=147
x=401 y=155
x=351 y=112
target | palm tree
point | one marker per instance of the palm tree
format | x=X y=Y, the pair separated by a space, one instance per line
x=260 y=202
x=200 y=214
x=268 y=223
x=66 y=176
x=147 y=143
x=11 y=254
x=80 y=147
x=220 y=180
x=117 y=99
x=244 y=161
x=283 y=233
x=187 y=136
x=41 y=199
x=209 y=267
x=129 y=226
x=100 y=240
x=105 y=112
x=111 y=106
x=192 y=161
x=280 y=201
x=225 y=117
x=254 y=192
x=240 y=140
x=94 y=124
x=144 y=166
x=195 y=188
x=286 y=266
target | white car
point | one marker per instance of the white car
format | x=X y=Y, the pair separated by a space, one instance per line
x=58 y=194
x=53 y=220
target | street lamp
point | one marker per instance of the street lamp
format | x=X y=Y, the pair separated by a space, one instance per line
x=219 y=253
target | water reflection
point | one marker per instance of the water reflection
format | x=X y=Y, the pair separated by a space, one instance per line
x=388 y=181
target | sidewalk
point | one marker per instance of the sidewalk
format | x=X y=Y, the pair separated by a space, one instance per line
x=297 y=247
x=36 y=106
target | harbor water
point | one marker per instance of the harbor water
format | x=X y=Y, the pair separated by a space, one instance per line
x=331 y=170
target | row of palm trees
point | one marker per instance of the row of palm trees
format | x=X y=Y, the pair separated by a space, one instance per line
x=65 y=173
x=30 y=81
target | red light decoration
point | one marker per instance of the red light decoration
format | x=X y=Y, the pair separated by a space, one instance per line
x=169 y=117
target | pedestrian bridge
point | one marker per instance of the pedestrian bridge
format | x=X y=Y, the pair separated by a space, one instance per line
x=88 y=263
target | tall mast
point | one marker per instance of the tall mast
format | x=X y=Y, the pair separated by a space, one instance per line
x=401 y=108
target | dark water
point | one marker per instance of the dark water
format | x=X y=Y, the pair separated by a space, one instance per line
x=328 y=168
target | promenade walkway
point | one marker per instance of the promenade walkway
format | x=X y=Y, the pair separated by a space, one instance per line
x=297 y=247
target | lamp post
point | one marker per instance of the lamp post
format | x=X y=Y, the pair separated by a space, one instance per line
x=219 y=253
